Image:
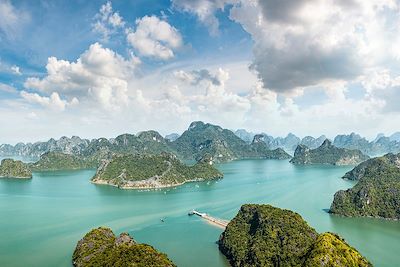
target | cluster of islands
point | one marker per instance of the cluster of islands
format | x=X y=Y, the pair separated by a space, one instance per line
x=260 y=235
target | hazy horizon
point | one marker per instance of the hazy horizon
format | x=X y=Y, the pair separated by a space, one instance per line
x=180 y=133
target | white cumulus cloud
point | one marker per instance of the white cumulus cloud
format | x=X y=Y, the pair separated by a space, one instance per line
x=155 y=38
x=304 y=43
x=309 y=42
x=98 y=75
x=107 y=22
x=53 y=102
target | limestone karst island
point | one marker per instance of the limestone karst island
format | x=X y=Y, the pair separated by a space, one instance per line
x=193 y=133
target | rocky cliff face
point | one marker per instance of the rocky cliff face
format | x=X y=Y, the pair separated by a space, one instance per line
x=301 y=155
x=100 y=247
x=258 y=138
x=262 y=235
x=312 y=142
x=327 y=154
x=377 y=193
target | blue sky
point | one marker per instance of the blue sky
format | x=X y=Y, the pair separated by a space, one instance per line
x=102 y=68
x=64 y=29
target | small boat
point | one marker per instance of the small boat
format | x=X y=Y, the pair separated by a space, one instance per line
x=162 y=220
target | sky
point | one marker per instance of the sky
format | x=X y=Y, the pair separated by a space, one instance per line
x=103 y=68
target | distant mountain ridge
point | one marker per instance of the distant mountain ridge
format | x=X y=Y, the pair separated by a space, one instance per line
x=245 y=135
x=153 y=142
x=379 y=146
x=200 y=140
x=73 y=145
x=288 y=143
x=395 y=137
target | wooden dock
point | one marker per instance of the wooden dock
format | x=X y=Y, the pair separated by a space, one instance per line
x=205 y=216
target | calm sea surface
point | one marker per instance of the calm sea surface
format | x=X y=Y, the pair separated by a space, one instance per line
x=42 y=219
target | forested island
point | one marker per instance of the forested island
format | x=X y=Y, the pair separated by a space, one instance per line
x=54 y=161
x=140 y=161
x=327 y=153
x=377 y=192
x=10 y=168
x=262 y=235
x=153 y=171
x=100 y=247
x=49 y=161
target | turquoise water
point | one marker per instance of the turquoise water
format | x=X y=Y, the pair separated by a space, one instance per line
x=42 y=219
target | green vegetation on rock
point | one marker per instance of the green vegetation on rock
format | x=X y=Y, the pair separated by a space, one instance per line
x=331 y=250
x=147 y=142
x=359 y=171
x=52 y=161
x=327 y=154
x=152 y=171
x=262 y=235
x=223 y=145
x=10 y=168
x=100 y=247
x=199 y=140
x=377 y=193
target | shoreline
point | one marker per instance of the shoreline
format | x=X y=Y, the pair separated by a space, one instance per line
x=144 y=187
x=211 y=220
x=220 y=224
x=364 y=217
x=15 y=177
